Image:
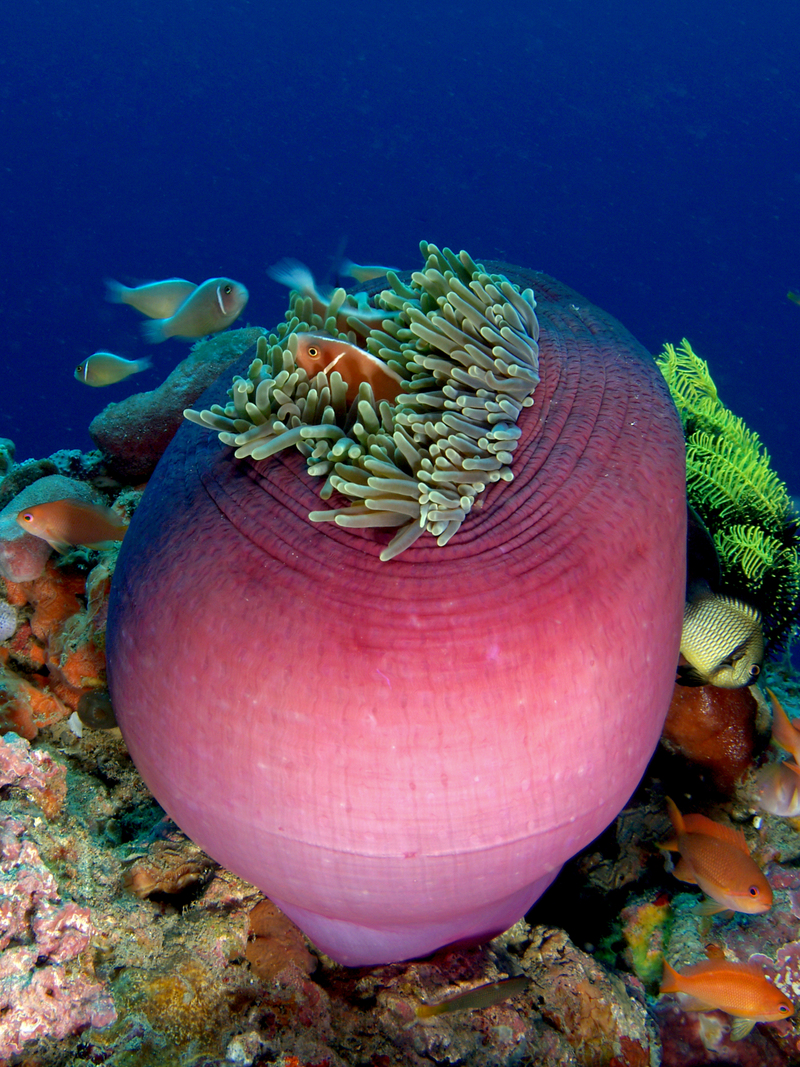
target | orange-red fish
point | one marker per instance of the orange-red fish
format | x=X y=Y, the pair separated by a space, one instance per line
x=69 y=522
x=778 y=787
x=784 y=732
x=778 y=784
x=157 y=300
x=740 y=989
x=717 y=859
x=316 y=353
x=212 y=307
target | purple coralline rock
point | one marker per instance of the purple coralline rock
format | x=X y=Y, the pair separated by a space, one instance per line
x=43 y=989
x=8 y=620
x=133 y=434
x=23 y=556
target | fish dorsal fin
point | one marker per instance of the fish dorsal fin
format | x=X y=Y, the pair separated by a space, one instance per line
x=700 y=824
x=675 y=816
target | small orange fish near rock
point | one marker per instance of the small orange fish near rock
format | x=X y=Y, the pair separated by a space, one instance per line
x=717 y=859
x=66 y=523
x=740 y=989
x=316 y=353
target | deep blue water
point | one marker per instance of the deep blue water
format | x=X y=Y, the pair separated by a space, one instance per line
x=647 y=154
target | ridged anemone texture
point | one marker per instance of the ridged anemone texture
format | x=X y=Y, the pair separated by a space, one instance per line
x=402 y=753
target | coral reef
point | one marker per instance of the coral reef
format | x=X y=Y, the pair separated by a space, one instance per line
x=48 y=988
x=7 y=452
x=133 y=434
x=123 y=943
x=57 y=653
x=8 y=620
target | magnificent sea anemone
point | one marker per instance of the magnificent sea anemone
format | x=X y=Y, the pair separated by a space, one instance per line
x=401 y=735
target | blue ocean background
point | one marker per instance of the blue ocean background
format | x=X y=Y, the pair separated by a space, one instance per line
x=646 y=154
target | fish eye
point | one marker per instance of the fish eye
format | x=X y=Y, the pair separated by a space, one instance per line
x=753 y=890
x=227 y=289
x=313 y=352
x=784 y=1009
x=755 y=670
x=28 y=517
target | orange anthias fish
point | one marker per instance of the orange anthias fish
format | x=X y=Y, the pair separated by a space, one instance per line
x=68 y=522
x=316 y=353
x=778 y=787
x=784 y=732
x=778 y=784
x=717 y=859
x=740 y=989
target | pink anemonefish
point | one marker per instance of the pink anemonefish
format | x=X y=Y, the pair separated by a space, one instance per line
x=69 y=522
x=316 y=353
x=210 y=308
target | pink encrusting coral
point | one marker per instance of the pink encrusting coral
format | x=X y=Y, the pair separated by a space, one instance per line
x=46 y=990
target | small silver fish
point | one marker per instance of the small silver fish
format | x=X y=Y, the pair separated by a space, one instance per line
x=104 y=368
x=722 y=641
x=157 y=300
x=210 y=308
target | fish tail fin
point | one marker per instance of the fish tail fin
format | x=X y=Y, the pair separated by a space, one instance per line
x=293 y=274
x=115 y=291
x=783 y=733
x=671 y=980
x=144 y=364
x=675 y=816
x=153 y=331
